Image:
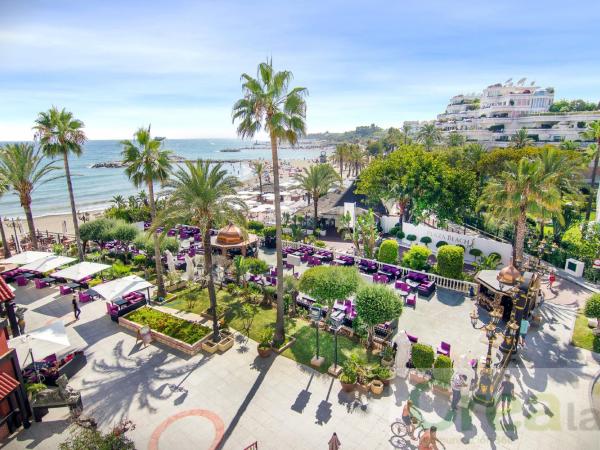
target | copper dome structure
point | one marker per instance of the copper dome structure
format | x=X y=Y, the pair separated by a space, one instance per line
x=230 y=235
x=509 y=275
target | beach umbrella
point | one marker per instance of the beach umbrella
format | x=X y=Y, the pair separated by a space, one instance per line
x=403 y=348
x=170 y=261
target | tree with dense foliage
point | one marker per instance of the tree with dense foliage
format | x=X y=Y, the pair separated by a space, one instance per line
x=582 y=242
x=145 y=242
x=326 y=284
x=203 y=195
x=91 y=438
x=429 y=135
x=375 y=148
x=567 y=144
x=316 y=181
x=416 y=257
x=259 y=168
x=95 y=230
x=523 y=188
x=388 y=251
x=146 y=163
x=521 y=138
x=270 y=104
x=450 y=261
x=592 y=310
x=593 y=133
x=376 y=304
x=455 y=139
x=24 y=170
x=60 y=134
x=573 y=105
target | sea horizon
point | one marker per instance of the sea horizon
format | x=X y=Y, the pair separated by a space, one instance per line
x=95 y=187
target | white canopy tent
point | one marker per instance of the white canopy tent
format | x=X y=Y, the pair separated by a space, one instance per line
x=27 y=257
x=48 y=264
x=115 y=289
x=78 y=271
x=42 y=342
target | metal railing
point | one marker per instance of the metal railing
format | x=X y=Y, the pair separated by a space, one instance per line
x=447 y=283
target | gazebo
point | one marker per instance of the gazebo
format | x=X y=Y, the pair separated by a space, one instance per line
x=231 y=239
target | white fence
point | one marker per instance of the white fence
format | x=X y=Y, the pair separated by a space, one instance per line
x=447 y=283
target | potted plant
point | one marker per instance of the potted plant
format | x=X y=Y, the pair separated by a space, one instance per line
x=348 y=377
x=383 y=374
x=387 y=356
x=264 y=346
x=422 y=357
x=442 y=374
x=33 y=389
x=377 y=387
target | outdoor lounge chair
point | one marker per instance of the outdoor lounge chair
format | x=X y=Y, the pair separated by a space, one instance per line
x=444 y=349
x=84 y=298
x=426 y=289
x=39 y=284
x=64 y=290
x=21 y=280
x=411 y=300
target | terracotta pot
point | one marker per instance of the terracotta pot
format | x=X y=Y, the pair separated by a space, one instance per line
x=387 y=362
x=209 y=346
x=347 y=387
x=225 y=344
x=417 y=377
x=264 y=352
x=442 y=391
x=377 y=387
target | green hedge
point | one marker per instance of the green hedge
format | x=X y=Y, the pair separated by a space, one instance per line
x=388 y=252
x=422 y=356
x=592 y=307
x=450 y=261
x=442 y=369
x=188 y=332
x=416 y=257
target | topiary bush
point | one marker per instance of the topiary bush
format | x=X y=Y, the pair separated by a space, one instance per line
x=426 y=240
x=411 y=238
x=498 y=256
x=422 y=356
x=416 y=257
x=442 y=370
x=475 y=252
x=394 y=230
x=400 y=234
x=388 y=252
x=440 y=244
x=592 y=308
x=256 y=266
x=450 y=261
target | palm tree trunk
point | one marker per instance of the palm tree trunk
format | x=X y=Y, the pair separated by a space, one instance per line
x=5 y=247
x=316 y=209
x=588 y=210
x=260 y=185
x=30 y=225
x=521 y=228
x=341 y=167
x=160 y=281
x=279 y=323
x=73 y=209
x=212 y=295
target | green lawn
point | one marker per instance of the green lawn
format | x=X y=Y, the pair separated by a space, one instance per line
x=583 y=337
x=264 y=317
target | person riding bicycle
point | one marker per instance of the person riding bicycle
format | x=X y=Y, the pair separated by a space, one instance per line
x=407 y=419
x=428 y=440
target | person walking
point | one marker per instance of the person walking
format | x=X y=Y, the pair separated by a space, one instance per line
x=76 y=310
x=551 y=279
x=507 y=392
x=458 y=382
x=428 y=439
x=523 y=329
x=407 y=419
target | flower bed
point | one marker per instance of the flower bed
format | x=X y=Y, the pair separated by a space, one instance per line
x=172 y=331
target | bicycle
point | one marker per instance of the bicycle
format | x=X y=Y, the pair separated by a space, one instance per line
x=400 y=430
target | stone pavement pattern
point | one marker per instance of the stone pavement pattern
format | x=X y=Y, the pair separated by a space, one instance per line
x=188 y=402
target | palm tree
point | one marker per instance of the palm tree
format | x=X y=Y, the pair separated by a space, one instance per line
x=142 y=198
x=24 y=169
x=119 y=201
x=259 y=168
x=593 y=133
x=455 y=139
x=406 y=132
x=568 y=145
x=60 y=134
x=316 y=181
x=270 y=104
x=356 y=159
x=523 y=188
x=147 y=163
x=203 y=196
x=521 y=139
x=340 y=154
x=5 y=248
x=429 y=135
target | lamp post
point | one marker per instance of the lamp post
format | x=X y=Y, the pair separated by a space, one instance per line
x=315 y=316
x=336 y=324
x=484 y=393
x=14 y=225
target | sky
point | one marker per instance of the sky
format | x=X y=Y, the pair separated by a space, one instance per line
x=118 y=65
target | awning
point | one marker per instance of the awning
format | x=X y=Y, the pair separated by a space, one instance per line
x=6 y=291
x=121 y=286
x=48 y=263
x=7 y=385
x=43 y=342
x=27 y=257
x=78 y=271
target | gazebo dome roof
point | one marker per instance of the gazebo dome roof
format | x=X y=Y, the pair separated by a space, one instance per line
x=509 y=275
x=230 y=235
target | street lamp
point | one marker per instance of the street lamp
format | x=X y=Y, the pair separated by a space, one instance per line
x=315 y=317
x=484 y=392
x=336 y=324
x=14 y=225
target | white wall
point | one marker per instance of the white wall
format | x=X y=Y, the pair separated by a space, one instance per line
x=486 y=245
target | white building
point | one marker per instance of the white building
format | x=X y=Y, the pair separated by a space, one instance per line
x=496 y=114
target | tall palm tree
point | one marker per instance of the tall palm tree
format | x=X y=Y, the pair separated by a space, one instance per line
x=340 y=154
x=203 y=196
x=119 y=201
x=521 y=139
x=429 y=135
x=455 y=139
x=523 y=188
x=259 y=168
x=316 y=181
x=146 y=163
x=270 y=104
x=60 y=134
x=593 y=133
x=356 y=157
x=406 y=132
x=24 y=169
x=5 y=248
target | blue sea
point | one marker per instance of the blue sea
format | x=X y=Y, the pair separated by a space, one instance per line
x=94 y=188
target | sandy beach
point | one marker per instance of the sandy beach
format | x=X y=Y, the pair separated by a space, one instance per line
x=59 y=223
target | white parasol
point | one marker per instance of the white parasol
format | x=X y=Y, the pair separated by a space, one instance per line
x=44 y=341
x=170 y=261
x=402 y=353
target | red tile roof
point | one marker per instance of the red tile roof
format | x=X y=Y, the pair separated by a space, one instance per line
x=5 y=292
x=7 y=385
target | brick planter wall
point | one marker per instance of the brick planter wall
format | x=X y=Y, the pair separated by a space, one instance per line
x=188 y=349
